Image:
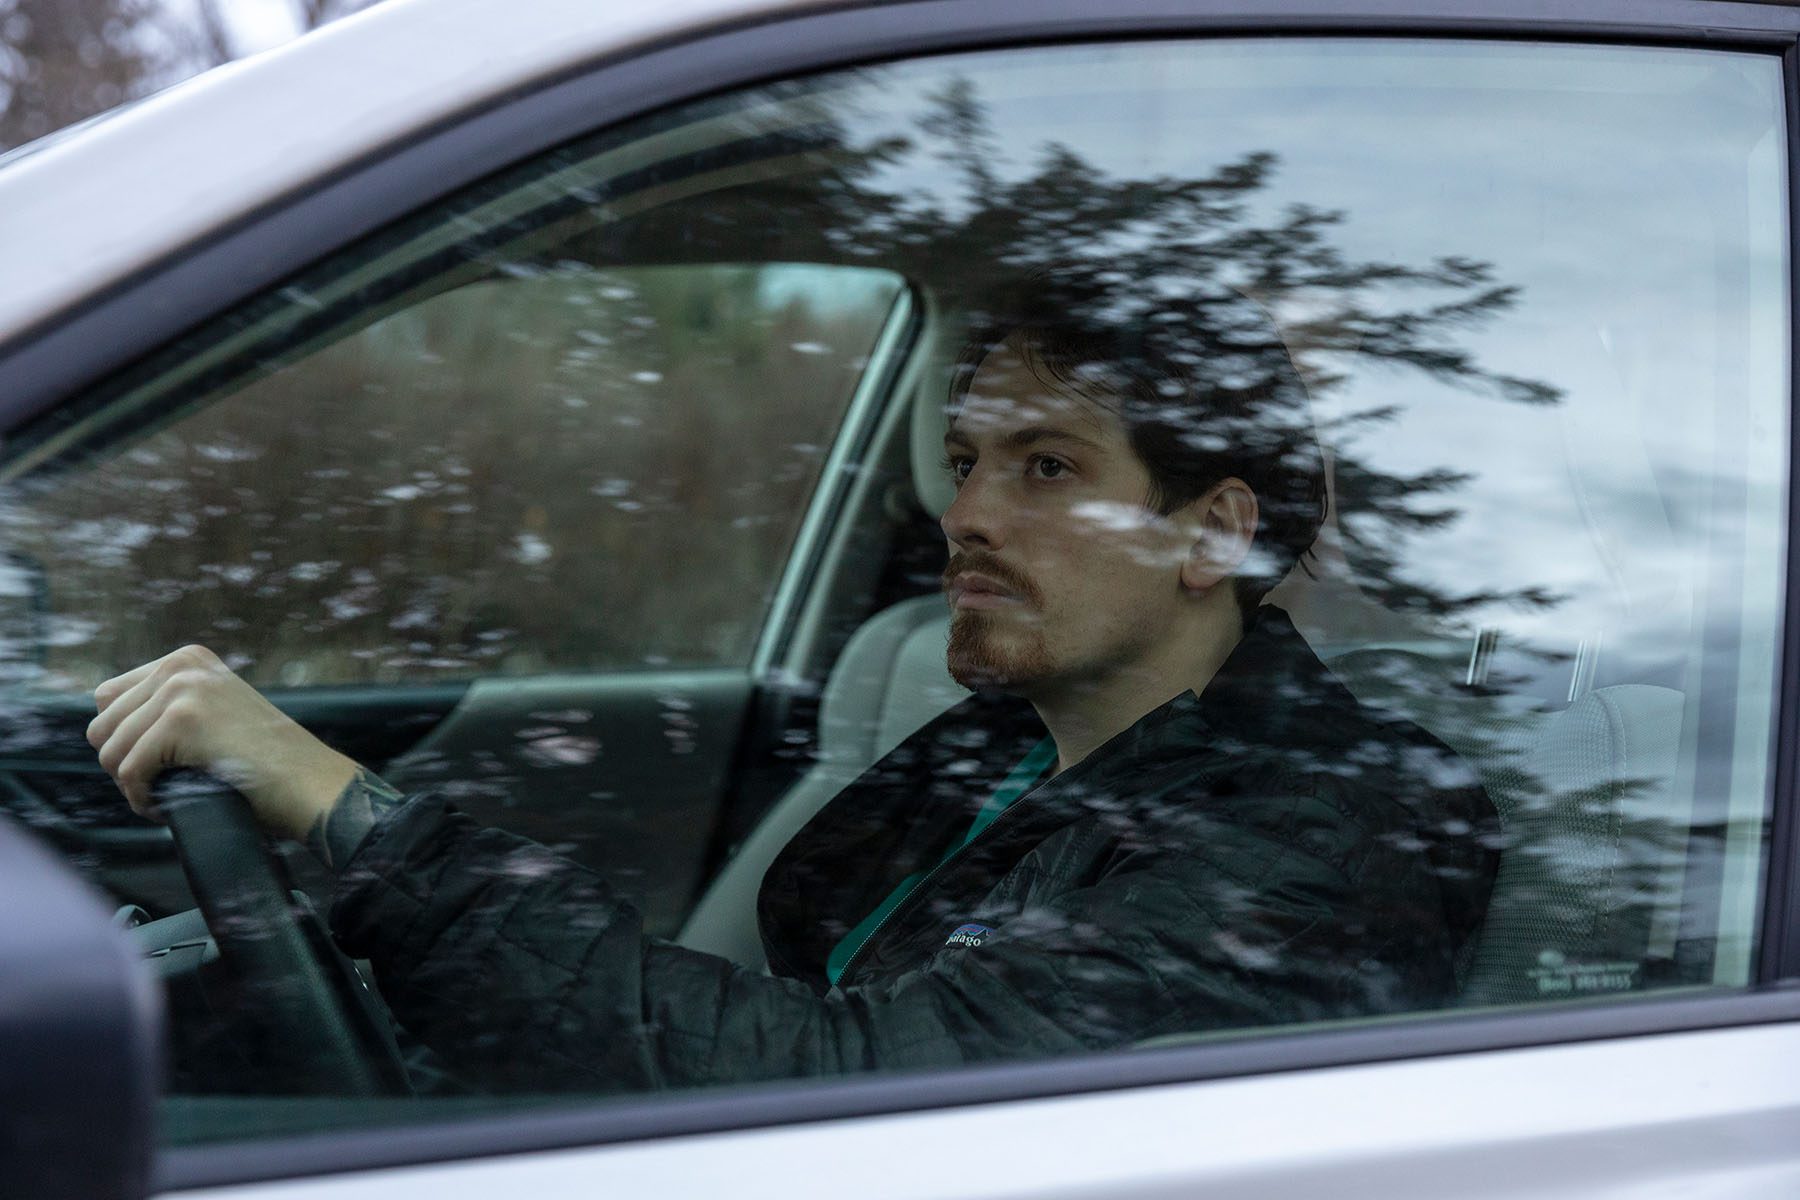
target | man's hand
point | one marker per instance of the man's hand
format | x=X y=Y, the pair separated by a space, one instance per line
x=188 y=709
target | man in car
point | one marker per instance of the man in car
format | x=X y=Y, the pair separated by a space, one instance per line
x=1159 y=812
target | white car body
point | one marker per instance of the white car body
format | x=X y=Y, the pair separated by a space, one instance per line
x=1709 y=1116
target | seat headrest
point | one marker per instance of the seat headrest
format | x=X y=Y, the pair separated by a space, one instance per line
x=929 y=423
x=890 y=680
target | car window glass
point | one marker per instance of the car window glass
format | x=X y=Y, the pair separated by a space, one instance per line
x=1361 y=515
x=481 y=482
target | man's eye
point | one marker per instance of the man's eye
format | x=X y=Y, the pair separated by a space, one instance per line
x=1047 y=467
x=958 y=466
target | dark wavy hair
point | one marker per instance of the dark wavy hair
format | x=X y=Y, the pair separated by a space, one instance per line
x=1204 y=385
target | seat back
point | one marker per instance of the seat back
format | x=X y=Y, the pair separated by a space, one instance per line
x=1588 y=896
x=1594 y=820
x=889 y=681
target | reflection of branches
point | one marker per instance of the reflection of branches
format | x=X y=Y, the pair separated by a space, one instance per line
x=1197 y=234
x=1379 y=509
x=1188 y=263
x=1194 y=265
x=959 y=125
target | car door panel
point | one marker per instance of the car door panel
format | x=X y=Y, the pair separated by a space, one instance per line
x=1615 y=1119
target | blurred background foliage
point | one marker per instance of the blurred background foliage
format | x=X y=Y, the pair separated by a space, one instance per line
x=62 y=61
x=544 y=472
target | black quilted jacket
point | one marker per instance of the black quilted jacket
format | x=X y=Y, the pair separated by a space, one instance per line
x=1266 y=852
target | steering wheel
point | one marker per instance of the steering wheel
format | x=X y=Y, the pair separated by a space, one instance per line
x=312 y=1018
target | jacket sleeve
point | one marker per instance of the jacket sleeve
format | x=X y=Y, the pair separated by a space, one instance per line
x=525 y=971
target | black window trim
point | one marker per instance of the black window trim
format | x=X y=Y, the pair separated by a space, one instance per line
x=1778 y=935
x=60 y=357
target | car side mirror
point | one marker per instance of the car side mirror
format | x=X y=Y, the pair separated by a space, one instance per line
x=80 y=1036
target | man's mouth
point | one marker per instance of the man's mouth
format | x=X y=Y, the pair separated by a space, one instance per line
x=973 y=590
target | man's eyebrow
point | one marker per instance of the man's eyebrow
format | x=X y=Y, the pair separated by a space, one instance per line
x=1018 y=439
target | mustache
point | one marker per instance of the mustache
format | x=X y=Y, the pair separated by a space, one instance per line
x=994 y=569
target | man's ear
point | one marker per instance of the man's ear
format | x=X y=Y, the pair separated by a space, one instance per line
x=1225 y=521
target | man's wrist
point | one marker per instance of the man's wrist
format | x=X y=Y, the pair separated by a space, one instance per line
x=340 y=829
x=308 y=790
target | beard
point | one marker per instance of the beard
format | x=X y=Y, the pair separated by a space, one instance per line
x=997 y=650
x=985 y=653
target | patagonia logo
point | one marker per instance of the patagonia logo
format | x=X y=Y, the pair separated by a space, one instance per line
x=968 y=935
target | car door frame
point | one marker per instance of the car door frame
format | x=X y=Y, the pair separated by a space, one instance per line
x=202 y=281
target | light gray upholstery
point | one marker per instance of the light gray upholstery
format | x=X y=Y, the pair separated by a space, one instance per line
x=925 y=442
x=1596 y=837
x=890 y=680
x=1594 y=818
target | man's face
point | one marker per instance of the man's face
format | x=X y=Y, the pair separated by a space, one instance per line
x=1059 y=572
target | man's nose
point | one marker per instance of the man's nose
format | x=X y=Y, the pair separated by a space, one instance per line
x=977 y=517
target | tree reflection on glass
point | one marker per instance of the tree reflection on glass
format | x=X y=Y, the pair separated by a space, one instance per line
x=1261 y=302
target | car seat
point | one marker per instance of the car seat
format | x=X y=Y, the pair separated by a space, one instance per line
x=1588 y=895
x=889 y=681
x=1595 y=825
